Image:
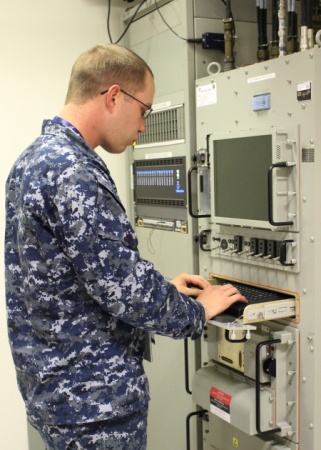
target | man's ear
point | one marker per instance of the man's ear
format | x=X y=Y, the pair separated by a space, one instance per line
x=112 y=96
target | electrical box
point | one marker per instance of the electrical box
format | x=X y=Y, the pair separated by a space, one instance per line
x=262 y=230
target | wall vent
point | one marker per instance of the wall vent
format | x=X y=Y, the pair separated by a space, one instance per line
x=166 y=125
x=160 y=162
x=160 y=202
x=308 y=154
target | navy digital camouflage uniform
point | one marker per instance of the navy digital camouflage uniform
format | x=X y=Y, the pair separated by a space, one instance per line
x=79 y=296
x=125 y=433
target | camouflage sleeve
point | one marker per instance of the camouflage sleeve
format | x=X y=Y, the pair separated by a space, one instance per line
x=102 y=246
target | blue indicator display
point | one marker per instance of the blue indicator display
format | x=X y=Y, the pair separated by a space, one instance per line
x=261 y=102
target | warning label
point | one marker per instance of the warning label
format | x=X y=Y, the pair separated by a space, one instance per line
x=304 y=91
x=220 y=404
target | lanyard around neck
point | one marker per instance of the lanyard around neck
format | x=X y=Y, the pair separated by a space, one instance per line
x=66 y=124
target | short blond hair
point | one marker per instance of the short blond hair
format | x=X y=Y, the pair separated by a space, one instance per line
x=102 y=66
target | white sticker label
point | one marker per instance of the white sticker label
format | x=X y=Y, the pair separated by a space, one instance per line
x=206 y=95
x=158 y=155
x=268 y=76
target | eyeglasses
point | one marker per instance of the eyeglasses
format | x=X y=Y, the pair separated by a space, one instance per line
x=148 y=110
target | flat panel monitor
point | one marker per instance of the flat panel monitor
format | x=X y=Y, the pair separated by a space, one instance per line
x=160 y=182
x=240 y=163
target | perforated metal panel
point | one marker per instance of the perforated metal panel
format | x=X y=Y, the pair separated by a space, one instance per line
x=162 y=126
x=308 y=154
x=160 y=162
x=160 y=202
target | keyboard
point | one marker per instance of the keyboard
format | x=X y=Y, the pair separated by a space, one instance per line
x=253 y=295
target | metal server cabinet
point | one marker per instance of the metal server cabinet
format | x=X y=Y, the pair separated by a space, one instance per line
x=164 y=228
x=260 y=374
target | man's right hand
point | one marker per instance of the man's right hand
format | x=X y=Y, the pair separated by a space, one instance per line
x=217 y=298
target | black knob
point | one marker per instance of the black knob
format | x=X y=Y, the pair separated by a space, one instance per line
x=269 y=367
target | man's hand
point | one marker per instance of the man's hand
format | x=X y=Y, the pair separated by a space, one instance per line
x=191 y=285
x=216 y=299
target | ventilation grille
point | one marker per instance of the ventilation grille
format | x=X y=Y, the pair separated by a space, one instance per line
x=278 y=151
x=160 y=202
x=308 y=154
x=160 y=162
x=164 y=126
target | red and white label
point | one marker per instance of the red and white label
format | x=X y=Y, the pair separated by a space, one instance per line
x=220 y=404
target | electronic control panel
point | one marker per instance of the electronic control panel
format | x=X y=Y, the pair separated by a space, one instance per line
x=259 y=226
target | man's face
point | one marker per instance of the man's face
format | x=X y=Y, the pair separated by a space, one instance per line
x=128 y=119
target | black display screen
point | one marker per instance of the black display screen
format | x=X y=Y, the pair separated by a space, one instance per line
x=240 y=177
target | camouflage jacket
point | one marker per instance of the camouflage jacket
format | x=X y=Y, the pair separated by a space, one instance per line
x=79 y=296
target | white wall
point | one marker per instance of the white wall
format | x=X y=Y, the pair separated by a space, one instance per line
x=39 y=41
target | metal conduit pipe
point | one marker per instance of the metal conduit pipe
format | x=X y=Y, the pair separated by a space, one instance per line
x=275 y=30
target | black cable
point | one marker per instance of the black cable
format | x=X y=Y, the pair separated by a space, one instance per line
x=131 y=21
x=191 y=40
x=227 y=3
x=275 y=21
x=290 y=23
x=260 y=23
x=303 y=13
x=128 y=25
x=309 y=14
x=108 y=19
x=264 y=23
x=295 y=23
x=186 y=364
x=292 y=19
x=228 y=8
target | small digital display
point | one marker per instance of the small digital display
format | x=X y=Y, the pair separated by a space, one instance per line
x=166 y=180
x=240 y=177
x=162 y=179
x=261 y=102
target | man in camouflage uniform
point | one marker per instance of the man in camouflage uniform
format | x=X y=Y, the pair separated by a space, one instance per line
x=80 y=298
